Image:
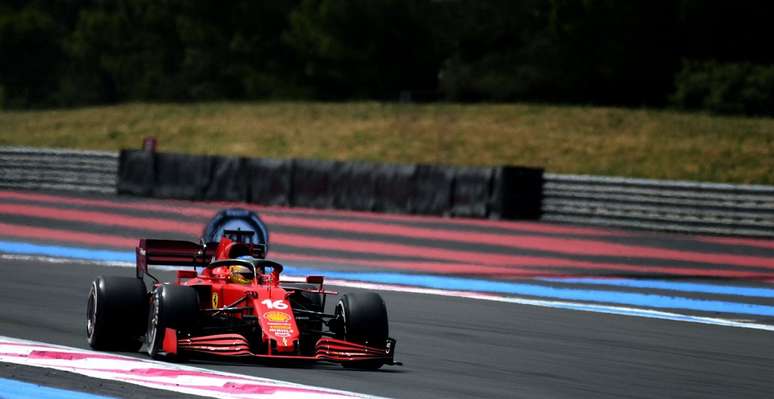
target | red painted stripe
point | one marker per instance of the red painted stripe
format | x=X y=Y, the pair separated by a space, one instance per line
x=581 y=247
x=517 y=226
x=237 y=388
x=42 y=233
x=185 y=208
x=358 y=246
x=208 y=209
x=433 y=267
x=549 y=244
x=273 y=220
x=564 y=265
x=60 y=355
x=102 y=218
x=159 y=372
x=530 y=270
x=382 y=248
x=370 y=247
x=297 y=240
x=748 y=242
x=220 y=384
x=17 y=231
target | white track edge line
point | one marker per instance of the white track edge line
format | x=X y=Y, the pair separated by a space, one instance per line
x=185 y=368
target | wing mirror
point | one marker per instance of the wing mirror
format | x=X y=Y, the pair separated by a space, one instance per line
x=314 y=279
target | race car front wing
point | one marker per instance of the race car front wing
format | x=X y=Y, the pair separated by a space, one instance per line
x=236 y=345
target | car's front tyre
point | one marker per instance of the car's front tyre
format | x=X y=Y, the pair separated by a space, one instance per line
x=363 y=319
x=171 y=306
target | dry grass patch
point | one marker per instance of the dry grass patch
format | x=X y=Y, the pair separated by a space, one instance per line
x=592 y=140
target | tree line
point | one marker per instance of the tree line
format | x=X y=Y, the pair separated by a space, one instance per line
x=696 y=54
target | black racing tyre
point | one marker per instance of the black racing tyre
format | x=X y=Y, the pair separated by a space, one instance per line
x=363 y=319
x=116 y=313
x=174 y=307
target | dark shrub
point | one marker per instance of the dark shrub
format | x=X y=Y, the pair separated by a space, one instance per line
x=738 y=88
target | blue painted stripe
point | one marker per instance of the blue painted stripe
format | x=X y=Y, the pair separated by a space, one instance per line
x=450 y=283
x=536 y=290
x=654 y=314
x=12 y=389
x=671 y=286
x=66 y=252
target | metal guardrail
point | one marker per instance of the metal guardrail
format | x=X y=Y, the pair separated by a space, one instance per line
x=678 y=206
x=56 y=169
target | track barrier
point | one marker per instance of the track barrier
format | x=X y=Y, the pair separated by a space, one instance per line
x=228 y=180
x=354 y=186
x=506 y=192
x=269 y=181
x=181 y=176
x=136 y=173
x=312 y=183
x=469 y=186
x=680 y=206
x=55 y=169
x=362 y=186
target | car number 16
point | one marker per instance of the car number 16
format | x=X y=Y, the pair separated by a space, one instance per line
x=278 y=304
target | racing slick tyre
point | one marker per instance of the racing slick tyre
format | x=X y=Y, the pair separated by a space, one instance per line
x=363 y=318
x=116 y=313
x=172 y=306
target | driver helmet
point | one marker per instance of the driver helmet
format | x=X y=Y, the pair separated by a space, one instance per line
x=248 y=258
x=241 y=274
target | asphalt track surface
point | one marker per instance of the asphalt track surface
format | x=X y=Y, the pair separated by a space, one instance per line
x=451 y=347
x=458 y=348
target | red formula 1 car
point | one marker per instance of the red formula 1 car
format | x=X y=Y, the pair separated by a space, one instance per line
x=233 y=304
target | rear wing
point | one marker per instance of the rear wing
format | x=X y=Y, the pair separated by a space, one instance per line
x=186 y=253
x=173 y=253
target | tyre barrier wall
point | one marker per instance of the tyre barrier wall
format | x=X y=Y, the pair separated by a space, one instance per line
x=678 y=206
x=503 y=192
x=53 y=169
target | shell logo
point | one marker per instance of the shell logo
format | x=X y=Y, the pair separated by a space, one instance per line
x=276 y=316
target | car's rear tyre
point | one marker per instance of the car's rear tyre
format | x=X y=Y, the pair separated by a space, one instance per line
x=116 y=313
x=171 y=306
x=363 y=319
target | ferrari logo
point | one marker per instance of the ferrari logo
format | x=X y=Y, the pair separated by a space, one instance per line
x=214 y=300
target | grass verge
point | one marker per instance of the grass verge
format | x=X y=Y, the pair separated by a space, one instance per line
x=563 y=139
